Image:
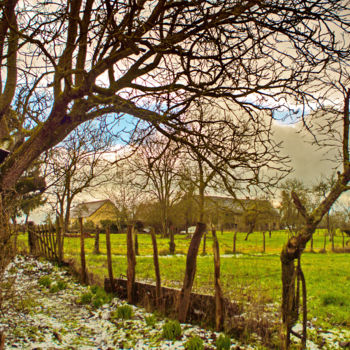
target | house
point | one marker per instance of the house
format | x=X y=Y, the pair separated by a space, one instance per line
x=96 y=211
x=243 y=215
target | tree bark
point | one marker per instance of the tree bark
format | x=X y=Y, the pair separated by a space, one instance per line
x=131 y=266
x=219 y=302
x=2 y=340
x=184 y=298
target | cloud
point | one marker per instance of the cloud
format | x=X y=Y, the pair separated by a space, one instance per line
x=308 y=161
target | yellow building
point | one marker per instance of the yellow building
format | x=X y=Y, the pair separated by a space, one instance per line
x=96 y=211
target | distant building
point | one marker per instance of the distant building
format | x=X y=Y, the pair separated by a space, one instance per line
x=244 y=215
x=96 y=211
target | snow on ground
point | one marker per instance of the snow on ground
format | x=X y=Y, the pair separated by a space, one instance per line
x=42 y=319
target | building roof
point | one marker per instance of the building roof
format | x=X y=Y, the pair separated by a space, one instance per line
x=84 y=210
x=238 y=206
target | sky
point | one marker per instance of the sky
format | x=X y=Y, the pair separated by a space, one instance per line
x=308 y=162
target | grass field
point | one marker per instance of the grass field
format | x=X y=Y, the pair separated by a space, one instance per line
x=249 y=276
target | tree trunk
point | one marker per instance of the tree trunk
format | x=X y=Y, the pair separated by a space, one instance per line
x=131 y=266
x=82 y=253
x=109 y=258
x=290 y=252
x=156 y=269
x=184 y=298
x=6 y=250
x=2 y=340
x=219 y=301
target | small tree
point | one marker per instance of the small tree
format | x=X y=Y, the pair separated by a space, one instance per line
x=77 y=165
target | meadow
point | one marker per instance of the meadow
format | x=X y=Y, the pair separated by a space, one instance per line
x=249 y=276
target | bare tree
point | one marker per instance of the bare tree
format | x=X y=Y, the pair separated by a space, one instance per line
x=155 y=167
x=121 y=190
x=78 y=164
x=332 y=125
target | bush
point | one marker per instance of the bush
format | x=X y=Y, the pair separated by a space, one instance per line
x=123 y=312
x=223 y=342
x=151 y=320
x=86 y=298
x=194 y=343
x=45 y=281
x=172 y=330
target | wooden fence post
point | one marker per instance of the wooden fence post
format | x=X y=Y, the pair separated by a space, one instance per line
x=31 y=238
x=156 y=268
x=264 y=242
x=204 y=242
x=109 y=258
x=234 y=242
x=312 y=244
x=172 y=241
x=219 y=302
x=131 y=265
x=343 y=240
x=97 y=241
x=184 y=297
x=82 y=253
x=332 y=238
x=136 y=242
x=59 y=241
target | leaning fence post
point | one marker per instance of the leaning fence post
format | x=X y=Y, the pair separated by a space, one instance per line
x=82 y=252
x=31 y=238
x=109 y=258
x=219 y=302
x=156 y=268
x=184 y=297
x=131 y=265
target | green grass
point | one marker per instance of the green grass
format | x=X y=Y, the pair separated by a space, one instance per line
x=249 y=277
